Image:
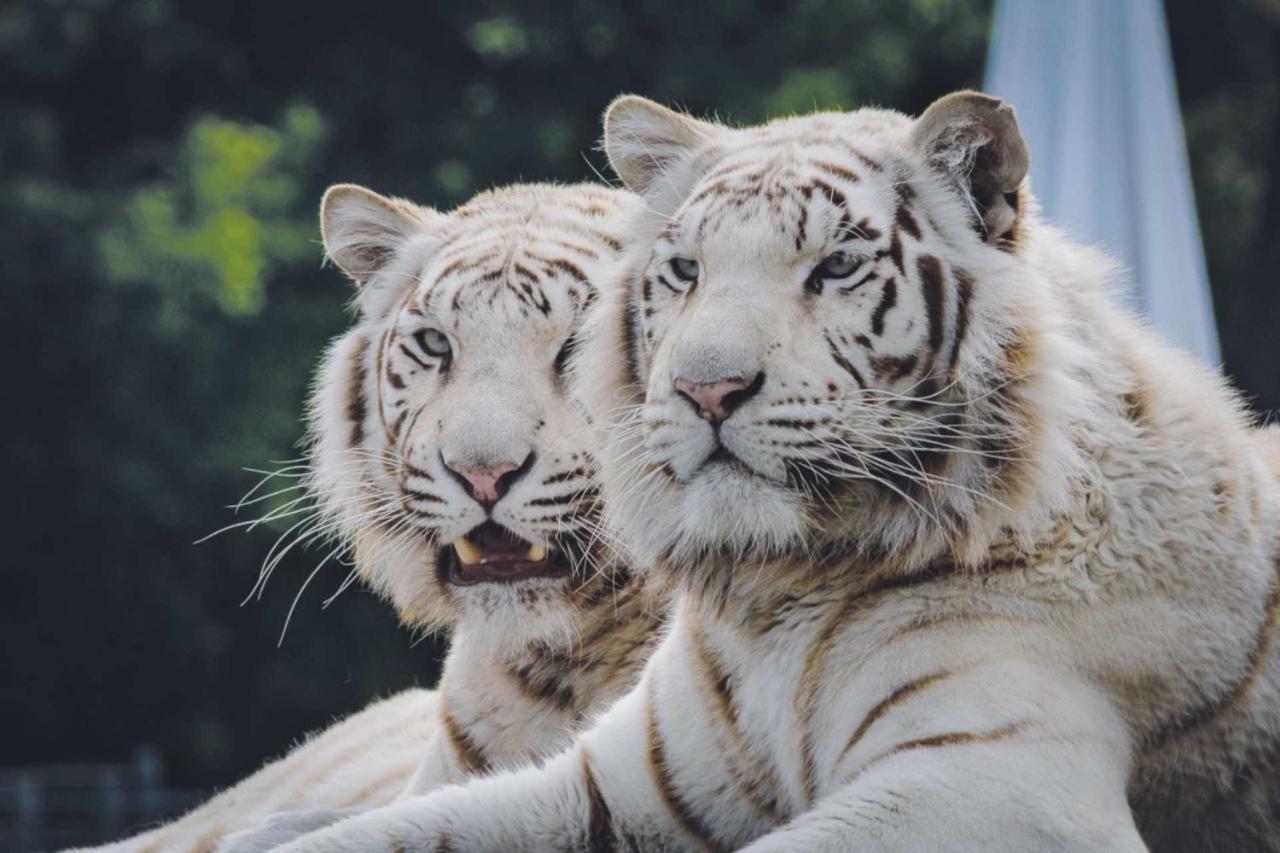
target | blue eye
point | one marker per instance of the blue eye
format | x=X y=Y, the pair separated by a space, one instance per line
x=685 y=269
x=836 y=265
x=433 y=342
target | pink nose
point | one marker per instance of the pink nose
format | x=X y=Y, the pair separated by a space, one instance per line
x=486 y=484
x=715 y=401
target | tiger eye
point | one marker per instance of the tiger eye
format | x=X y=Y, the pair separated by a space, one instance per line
x=685 y=269
x=837 y=265
x=433 y=342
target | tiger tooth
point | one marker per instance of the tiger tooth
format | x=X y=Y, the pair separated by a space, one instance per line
x=536 y=553
x=467 y=553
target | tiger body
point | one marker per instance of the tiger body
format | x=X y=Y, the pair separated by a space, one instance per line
x=504 y=280
x=362 y=761
x=964 y=557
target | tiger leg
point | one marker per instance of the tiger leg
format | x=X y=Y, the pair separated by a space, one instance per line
x=597 y=795
x=438 y=767
x=1008 y=786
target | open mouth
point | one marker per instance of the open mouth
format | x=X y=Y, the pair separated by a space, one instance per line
x=491 y=553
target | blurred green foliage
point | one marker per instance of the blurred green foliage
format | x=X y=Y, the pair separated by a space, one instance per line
x=225 y=222
x=164 y=304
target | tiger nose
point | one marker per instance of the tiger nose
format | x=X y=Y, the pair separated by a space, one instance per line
x=489 y=484
x=716 y=401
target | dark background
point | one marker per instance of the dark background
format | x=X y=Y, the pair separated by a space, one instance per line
x=164 y=303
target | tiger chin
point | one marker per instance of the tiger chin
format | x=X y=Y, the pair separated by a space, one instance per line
x=449 y=454
x=963 y=556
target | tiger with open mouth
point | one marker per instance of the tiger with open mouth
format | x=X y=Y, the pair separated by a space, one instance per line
x=454 y=457
x=449 y=455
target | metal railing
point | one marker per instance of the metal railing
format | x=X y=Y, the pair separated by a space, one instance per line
x=57 y=806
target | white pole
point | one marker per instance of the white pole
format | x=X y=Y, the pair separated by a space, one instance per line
x=1093 y=84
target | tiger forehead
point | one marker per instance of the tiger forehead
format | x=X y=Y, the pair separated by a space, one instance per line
x=864 y=141
x=527 y=261
x=530 y=279
x=807 y=191
x=779 y=171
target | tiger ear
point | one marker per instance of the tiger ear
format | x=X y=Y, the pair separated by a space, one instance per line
x=644 y=139
x=974 y=140
x=362 y=230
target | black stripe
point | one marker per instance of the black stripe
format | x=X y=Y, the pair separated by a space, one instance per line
x=931 y=284
x=662 y=279
x=574 y=247
x=456 y=266
x=561 y=265
x=757 y=781
x=547 y=519
x=468 y=751
x=882 y=707
x=600 y=838
x=404 y=349
x=833 y=195
x=895 y=250
x=629 y=343
x=544 y=684
x=415 y=471
x=564 y=475
x=660 y=771
x=524 y=293
x=964 y=292
x=888 y=299
x=566 y=498
x=864 y=230
x=1255 y=663
x=906 y=221
x=871 y=164
x=849 y=288
x=792 y=423
x=357 y=408
x=398 y=423
x=893 y=366
x=838 y=171
x=844 y=362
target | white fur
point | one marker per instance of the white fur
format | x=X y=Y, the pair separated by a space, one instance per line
x=502 y=399
x=1061 y=636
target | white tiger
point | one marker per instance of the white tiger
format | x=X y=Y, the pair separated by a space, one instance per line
x=446 y=449
x=967 y=558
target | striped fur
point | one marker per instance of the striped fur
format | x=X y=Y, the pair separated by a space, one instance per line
x=508 y=277
x=1013 y=588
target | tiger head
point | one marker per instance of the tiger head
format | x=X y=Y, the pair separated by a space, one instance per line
x=446 y=449
x=831 y=339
